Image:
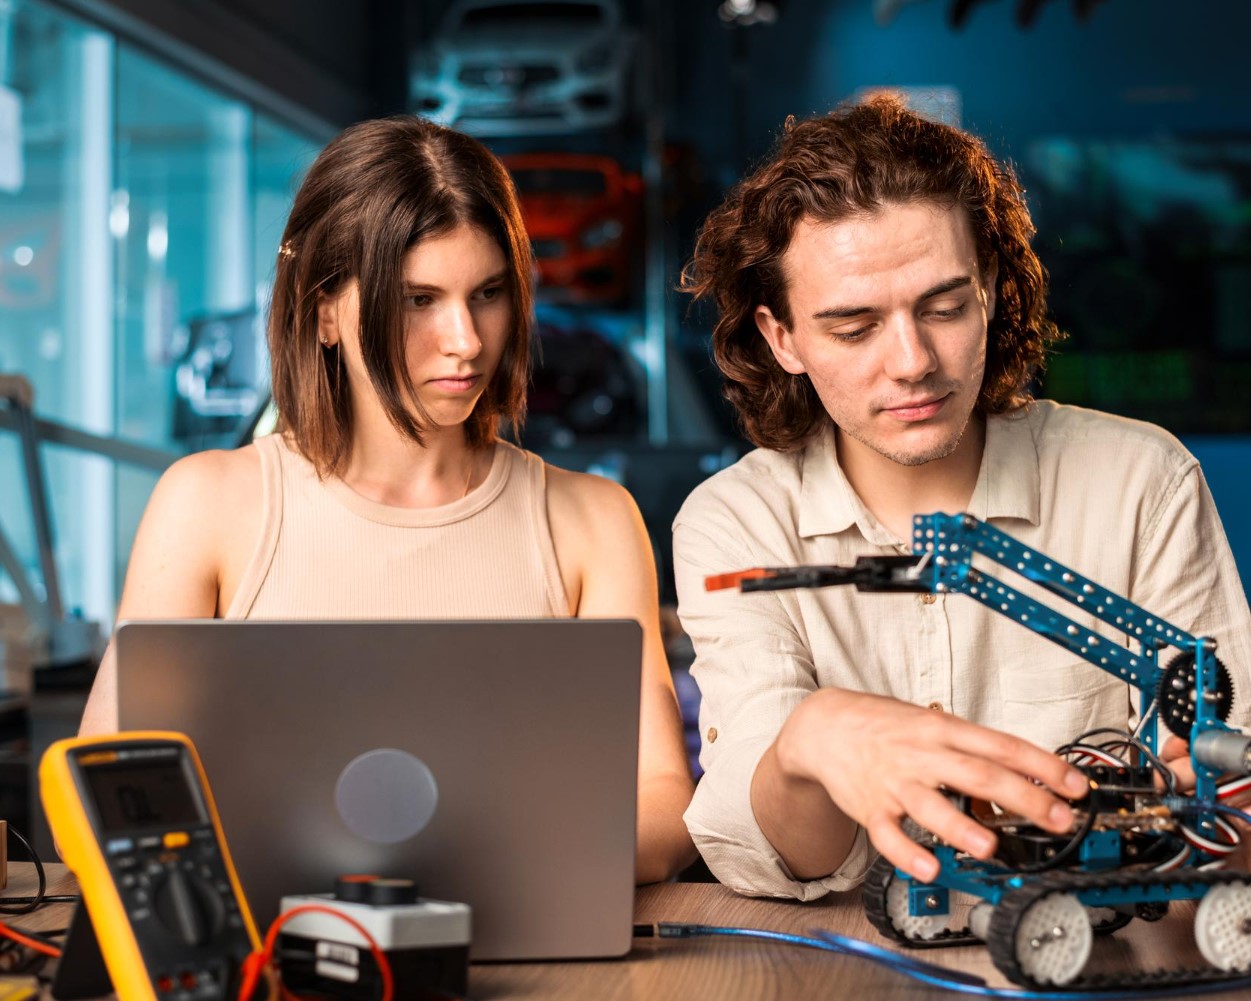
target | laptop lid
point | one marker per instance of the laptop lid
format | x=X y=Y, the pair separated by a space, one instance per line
x=494 y=762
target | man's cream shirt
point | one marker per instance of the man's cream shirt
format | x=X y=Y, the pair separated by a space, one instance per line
x=1119 y=501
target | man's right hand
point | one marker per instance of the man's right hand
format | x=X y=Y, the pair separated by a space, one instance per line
x=880 y=760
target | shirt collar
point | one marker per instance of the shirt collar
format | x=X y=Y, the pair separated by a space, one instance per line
x=1007 y=483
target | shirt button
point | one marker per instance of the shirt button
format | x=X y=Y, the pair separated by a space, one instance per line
x=927 y=598
x=937 y=706
x=712 y=735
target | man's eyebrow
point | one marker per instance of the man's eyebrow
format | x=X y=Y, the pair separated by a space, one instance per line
x=950 y=285
x=841 y=312
x=846 y=312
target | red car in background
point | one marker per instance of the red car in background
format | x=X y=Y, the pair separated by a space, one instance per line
x=584 y=215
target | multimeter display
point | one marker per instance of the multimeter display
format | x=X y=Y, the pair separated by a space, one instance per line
x=130 y=797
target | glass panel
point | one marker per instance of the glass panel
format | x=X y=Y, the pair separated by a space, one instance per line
x=185 y=281
x=55 y=268
x=135 y=205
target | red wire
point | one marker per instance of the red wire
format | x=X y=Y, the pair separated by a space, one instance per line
x=30 y=943
x=256 y=963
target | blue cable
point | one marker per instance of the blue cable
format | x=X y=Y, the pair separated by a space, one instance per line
x=1200 y=806
x=940 y=976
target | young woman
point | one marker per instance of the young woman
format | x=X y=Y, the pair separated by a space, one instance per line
x=399 y=336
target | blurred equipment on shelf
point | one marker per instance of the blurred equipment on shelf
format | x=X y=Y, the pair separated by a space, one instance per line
x=584 y=214
x=745 y=13
x=1144 y=238
x=216 y=379
x=584 y=387
x=16 y=650
x=1025 y=13
x=525 y=67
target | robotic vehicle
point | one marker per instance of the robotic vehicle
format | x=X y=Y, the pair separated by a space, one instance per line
x=1137 y=843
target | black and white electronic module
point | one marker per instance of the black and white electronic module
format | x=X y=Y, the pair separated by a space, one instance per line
x=425 y=941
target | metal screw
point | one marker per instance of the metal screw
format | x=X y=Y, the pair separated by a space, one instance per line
x=931 y=902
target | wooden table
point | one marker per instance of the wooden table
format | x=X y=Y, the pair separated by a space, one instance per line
x=723 y=969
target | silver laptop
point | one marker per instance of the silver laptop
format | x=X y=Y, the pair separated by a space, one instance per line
x=493 y=762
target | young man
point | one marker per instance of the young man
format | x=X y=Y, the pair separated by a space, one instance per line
x=881 y=316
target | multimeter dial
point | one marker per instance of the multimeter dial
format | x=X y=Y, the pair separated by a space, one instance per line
x=188 y=907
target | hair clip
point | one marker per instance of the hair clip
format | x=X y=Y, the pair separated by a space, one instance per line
x=286 y=250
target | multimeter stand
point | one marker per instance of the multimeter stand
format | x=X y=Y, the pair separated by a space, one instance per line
x=80 y=972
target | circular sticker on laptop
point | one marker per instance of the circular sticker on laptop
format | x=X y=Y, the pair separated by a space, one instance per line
x=386 y=795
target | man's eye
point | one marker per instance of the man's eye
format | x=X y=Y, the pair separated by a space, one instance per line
x=947 y=314
x=850 y=335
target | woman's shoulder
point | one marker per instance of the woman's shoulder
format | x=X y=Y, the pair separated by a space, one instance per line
x=587 y=497
x=205 y=508
x=598 y=534
x=571 y=494
x=208 y=489
x=215 y=471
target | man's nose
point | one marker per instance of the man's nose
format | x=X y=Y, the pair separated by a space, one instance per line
x=911 y=355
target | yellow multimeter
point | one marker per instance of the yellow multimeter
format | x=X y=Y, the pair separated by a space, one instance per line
x=135 y=821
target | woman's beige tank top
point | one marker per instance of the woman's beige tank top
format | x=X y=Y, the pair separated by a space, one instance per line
x=326 y=552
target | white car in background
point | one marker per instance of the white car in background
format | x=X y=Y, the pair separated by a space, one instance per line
x=525 y=67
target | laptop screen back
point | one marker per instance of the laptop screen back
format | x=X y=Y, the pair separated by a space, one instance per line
x=493 y=762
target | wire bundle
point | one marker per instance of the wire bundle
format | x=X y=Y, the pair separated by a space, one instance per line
x=1188 y=840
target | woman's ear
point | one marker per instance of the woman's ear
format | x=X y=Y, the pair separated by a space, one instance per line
x=328 y=320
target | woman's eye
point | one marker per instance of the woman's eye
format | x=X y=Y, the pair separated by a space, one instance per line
x=417 y=301
x=490 y=293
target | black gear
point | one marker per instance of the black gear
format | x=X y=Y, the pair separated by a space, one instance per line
x=1176 y=694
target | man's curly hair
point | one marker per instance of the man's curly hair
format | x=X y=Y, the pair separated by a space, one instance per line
x=851 y=161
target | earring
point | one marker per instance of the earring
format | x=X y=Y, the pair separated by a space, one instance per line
x=324 y=343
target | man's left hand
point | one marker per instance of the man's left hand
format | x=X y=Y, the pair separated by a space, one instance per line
x=1175 y=754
